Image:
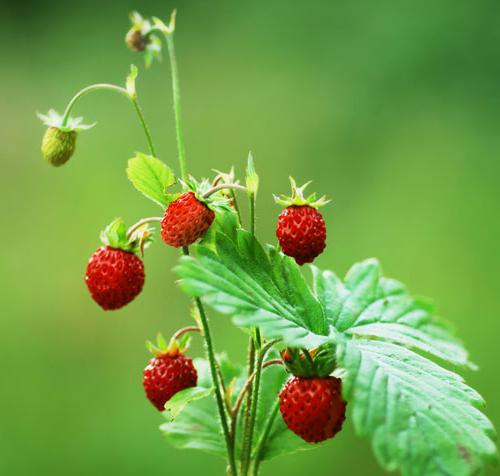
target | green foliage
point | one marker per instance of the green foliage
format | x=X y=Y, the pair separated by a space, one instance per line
x=422 y=419
x=151 y=177
x=196 y=425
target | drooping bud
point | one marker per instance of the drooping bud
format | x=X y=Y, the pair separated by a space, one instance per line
x=136 y=40
x=58 y=145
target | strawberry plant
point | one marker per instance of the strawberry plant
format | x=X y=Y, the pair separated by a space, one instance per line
x=324 y=352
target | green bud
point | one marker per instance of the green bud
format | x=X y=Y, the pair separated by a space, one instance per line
x=136 y=40
x=58 y=145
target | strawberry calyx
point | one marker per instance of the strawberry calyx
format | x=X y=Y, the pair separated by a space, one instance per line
x=298 y=198
x=218 y=200
x=56 y=120
x=135 y=240
x=176 y=346
x=319 y=362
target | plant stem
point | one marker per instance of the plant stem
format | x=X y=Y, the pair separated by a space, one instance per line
x=184 y=330
x=215 y=379
x=118 y=89
x=142 y=222
x=247 y=444
x=265 y=435
x=223 y=186
x=177 y=104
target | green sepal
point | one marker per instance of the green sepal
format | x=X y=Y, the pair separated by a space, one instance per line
x=54 y=119
x=218 y=201
x=298 y=198
x=176 y=346
x=117 y=236
x=319 y=362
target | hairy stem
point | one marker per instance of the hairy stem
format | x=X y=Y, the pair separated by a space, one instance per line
x=177 y=105
x=257 y=456
x=247 y=443
x=142 y=222
x=120 y=90
x=184 y=330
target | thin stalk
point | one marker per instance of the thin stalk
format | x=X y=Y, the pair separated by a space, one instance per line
x=265 y=435
x=177 y=105
x=120 y=90
x=184 y=330
x=236 y=206
x=142 y=222
x=247 y=444
x=223 y=186
x=218 y=395
x=214 y=366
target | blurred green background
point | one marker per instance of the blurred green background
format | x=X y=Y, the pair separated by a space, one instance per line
x=392 y=108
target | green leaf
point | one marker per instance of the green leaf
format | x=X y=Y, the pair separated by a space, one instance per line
x=240 y=279
x=196 y=426
x=368 y=305
x=178 y=402
x=151 y=177
x=421 y=418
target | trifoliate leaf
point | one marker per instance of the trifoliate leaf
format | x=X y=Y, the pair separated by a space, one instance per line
x=422 y=419
x=151 y=177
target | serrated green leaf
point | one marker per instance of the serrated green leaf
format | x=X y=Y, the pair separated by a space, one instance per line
x=423 y=419
x=368 y=305
x=151 y=177
x=178 y=402
x=241 y=280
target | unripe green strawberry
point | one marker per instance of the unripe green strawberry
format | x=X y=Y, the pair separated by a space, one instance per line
x=58 y=145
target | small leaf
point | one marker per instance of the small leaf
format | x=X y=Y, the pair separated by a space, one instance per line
x=151 y=177
x=178 y=402
x=131 y=81
x=115 y=234
x=252 y=179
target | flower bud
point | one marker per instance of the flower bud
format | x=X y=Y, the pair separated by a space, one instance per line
x=135 y=40
x=58 y=145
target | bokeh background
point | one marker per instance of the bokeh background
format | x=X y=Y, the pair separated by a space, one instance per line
x=392 y=108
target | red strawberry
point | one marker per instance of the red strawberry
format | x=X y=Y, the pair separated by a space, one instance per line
x=114 y=277
x=301 y=230
x=185 y=220
x=313 y=407
x=167 y=374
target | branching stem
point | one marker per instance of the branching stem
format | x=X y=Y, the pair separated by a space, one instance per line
x=120 y=90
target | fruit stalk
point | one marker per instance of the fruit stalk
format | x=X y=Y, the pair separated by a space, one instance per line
x=118 y=89
x=257 y=456
x=217 y=381
x=177 y=103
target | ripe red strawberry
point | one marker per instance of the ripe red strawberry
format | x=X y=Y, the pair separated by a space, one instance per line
x=114 y=277
x=186 y=219
x=167 y=374
x=301 y=230
x=313 y=408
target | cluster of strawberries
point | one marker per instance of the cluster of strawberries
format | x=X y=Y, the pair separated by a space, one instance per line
x=311 y=404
